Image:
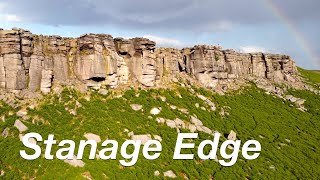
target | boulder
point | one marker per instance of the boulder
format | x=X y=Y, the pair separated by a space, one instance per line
x=179 y=123
x=161 y=120
x=169 y=174
x=143 y=138
x=157 y=173
x=156 y=137
x=22 y=113
x=171 y=124
x=300 y=102
x=192 y=128
x=46 y=81
x=130 y=133
x=103 y=92
x=20 y=126
x=5 y=132
x=91 y=136
x=232 y=135
x=136 y=107
x=206 y=130
x=75 y=162
x=291 y=98
x=155 y=111
x=196 y=121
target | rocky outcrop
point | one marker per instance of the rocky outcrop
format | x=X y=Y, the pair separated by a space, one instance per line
x=37 y=63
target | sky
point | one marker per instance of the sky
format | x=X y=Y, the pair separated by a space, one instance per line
x=289 y=27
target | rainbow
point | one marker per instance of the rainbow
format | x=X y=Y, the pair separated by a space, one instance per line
x=299 y=37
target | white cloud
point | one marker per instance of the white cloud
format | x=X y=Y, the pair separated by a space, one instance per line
x=2 y=7
x=10 y=18
x=164 y=42
x=252 y=49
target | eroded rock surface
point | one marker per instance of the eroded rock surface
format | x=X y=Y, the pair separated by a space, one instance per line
x=38 y=63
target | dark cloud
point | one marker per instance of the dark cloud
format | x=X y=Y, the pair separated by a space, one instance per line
x=180 y=16
x=164 y=14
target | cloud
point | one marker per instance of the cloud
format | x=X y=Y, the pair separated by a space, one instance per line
x=252 y=49
x=164 y=42
x=10 y=18
x=186 y=15
x=2 y=7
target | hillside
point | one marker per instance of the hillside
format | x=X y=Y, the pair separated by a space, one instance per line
x=289 y=136
x=99 y=87
x=311 y=76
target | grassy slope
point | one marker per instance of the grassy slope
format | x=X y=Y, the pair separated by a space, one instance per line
x=312 y=76
x=252 y=113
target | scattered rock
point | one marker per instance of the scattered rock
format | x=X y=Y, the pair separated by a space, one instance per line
x=87 y=175
x=156 y=137
x=196 y=121
x=136 y=107
x=192 y=128
x=91 y=136
x=185 y=111
x=31 y=107
x=163 y=98
x=73 y=112
x=155 y=111
x=103 y=92
x=169 y=174
x=20 y=126
x=130 y=133
x=87 y=97
x=206 y=130
x=173 y=107
x=179 y=123
x=175 y=80
x=197 y=105
x=221 y=112
x=5 y=132
x=78 y=104
x=171 y=124
x=201 y=97
x=22 y=113
x=232 y=135
x=291 y=98
x=143 y=138
x=161 y=120
x=199 y=128
x=75 y=162
x=300 y=102
x=157 y=173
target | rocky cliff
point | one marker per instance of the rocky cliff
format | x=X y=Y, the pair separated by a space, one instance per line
x=36 y=63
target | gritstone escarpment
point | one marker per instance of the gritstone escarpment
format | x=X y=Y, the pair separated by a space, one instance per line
x=36 y=63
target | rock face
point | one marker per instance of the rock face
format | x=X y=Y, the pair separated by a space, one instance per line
x=37 y=63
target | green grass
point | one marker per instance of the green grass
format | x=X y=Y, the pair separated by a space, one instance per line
x=312 y=76
x=253 y=114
